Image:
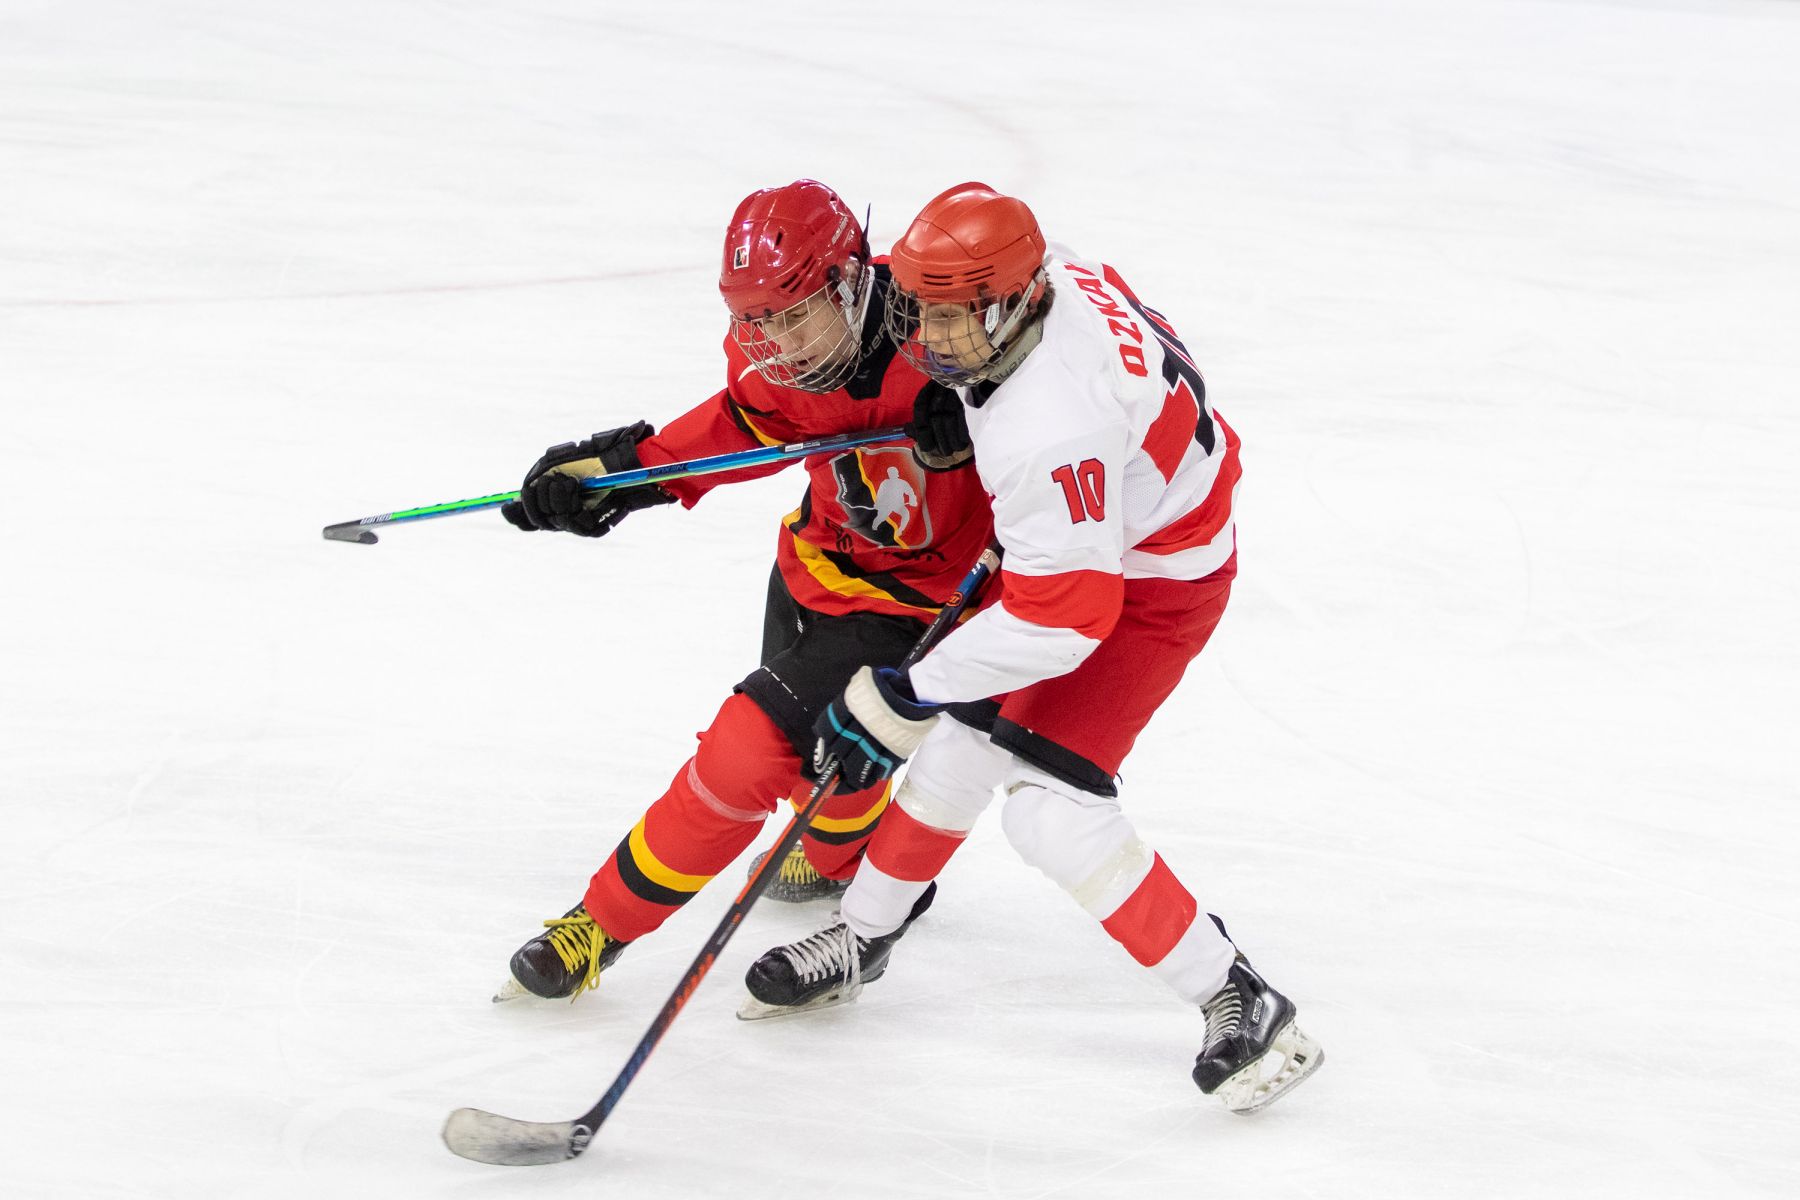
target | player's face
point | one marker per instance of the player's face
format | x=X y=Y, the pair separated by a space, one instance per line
x=953 y=333
x=810 y=345
x=809 y=334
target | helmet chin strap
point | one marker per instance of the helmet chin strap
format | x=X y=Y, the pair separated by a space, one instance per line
x=1013 y=355
x=853 y=298
x=1013 y=351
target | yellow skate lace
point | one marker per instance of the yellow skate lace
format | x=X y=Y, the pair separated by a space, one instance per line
x=797 y=869
x=577 y=941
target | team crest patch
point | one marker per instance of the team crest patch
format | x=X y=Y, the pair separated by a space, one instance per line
x=883 y=494
x=740 y=258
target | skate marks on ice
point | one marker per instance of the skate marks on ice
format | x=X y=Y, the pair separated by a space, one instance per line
x=1076 y=1106
x=385 y=1095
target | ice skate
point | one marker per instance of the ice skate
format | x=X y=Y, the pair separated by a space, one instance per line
x=566 y=960
x=1254 y=1052
x=826 y=969
x=798 y=880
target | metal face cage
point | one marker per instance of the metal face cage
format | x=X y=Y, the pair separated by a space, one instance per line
x=815 y=345
x=953 y=342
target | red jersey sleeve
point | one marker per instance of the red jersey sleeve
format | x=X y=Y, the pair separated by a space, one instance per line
x=729 y=421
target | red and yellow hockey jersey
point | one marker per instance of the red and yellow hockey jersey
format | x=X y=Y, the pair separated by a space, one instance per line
x=875 y=531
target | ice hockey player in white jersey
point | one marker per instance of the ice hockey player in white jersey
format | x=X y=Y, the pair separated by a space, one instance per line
x=1113 y=482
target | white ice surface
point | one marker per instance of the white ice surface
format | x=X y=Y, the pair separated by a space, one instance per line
x=1492 y=765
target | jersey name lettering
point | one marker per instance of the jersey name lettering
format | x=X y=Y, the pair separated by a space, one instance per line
x=1117 y=319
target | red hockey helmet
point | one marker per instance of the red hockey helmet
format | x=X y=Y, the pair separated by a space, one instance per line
x=795 y=277
x=967 y=275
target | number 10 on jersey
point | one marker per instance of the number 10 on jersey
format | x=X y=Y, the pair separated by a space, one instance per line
x=1084 y=488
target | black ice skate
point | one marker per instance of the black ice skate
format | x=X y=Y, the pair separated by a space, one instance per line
x=798 y=881
x=564 y=961
x=1254 y=1052
x=826 y=969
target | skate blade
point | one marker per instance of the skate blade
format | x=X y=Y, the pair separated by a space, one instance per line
x=1292 y=1056
x=755 y=1010
x=512 y=989
x=803 y=893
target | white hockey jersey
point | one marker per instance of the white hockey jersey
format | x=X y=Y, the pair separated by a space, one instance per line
x=1105 y=463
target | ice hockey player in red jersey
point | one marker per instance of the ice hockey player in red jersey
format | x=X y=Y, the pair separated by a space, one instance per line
x=880 y=540
x=1112 y=480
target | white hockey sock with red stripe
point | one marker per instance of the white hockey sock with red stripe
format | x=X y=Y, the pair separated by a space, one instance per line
x=1085 y=843
x=946 y=789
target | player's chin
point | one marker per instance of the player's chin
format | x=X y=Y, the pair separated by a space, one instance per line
x=949 y=372
x=823 y=373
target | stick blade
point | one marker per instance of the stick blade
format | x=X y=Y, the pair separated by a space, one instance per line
x=490 y=1138
x=350 y=531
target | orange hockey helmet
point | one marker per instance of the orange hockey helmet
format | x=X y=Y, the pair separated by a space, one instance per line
x=795 y=277
x=966 y=275
x=968 y=244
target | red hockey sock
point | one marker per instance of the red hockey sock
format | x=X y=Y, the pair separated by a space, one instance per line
x=903 y=857
x=906 y=848
x=1154 y=917
x=713 y=809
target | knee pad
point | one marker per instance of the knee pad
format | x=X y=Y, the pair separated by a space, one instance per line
x=1080 y=840
x=744 y=764
x=951 y=780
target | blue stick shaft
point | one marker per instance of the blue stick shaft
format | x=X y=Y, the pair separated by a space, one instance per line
x=362 y=530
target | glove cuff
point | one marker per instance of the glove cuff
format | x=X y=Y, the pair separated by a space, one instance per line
x=617 y=448
x=943 y=462
x=896 y=722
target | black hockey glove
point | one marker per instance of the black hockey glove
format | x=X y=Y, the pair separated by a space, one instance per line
x=940 y=429
x=872 y=728
x=552 y=496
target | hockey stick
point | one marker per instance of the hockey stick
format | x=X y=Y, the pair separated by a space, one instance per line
x=362 y=530
x=490 y=1138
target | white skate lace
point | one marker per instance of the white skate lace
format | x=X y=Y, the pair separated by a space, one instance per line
x=834 y=951
x=1224 y=1013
